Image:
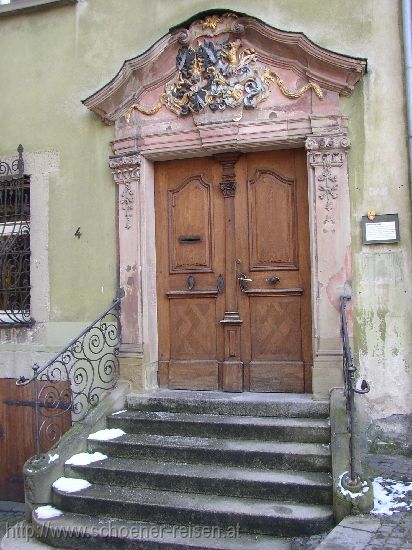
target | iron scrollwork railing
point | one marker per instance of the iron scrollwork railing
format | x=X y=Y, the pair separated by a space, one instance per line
x=350 y=389
x=14 y=243
x=73 y=381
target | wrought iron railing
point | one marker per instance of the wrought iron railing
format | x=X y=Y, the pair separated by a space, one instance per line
x=14 y=243
x=349 y=370
x=73 y=381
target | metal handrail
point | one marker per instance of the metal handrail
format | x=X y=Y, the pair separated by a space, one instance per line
x=73 y=380
x=350 y=388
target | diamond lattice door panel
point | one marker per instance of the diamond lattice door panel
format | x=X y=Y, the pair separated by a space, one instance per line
x=233 y=284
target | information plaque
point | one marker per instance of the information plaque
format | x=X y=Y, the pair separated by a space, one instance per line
x=382 y=229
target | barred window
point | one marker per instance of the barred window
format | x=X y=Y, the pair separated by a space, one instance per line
x=14 y=243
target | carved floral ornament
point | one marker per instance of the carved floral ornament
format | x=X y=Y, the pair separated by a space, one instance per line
x=326 y=153
x=218 y=73
x=126 y=171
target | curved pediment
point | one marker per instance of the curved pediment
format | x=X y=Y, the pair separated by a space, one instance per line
x=228 y=64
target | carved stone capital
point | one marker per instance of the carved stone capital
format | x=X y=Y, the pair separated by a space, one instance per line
x=228 y=183
x=126 y=171
x=125 y=168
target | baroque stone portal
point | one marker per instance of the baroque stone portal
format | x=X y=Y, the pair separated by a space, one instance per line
x=224 y=83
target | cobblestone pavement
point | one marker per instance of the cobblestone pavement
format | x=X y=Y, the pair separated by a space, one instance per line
x=10 y=514
x=394 y=533
x=307 y=543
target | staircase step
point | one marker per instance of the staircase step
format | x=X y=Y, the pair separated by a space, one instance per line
x=252 y=515
x=224 y=426
x=109 y=534
x=286 y=405
x=310 y=487
x=249 y=453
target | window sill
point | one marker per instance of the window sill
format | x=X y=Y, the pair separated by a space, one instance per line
x=23 y=6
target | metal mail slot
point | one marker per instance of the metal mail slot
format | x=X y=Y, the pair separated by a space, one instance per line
x=190 y=239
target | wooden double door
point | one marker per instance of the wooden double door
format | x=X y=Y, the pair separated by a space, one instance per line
x=233 y=272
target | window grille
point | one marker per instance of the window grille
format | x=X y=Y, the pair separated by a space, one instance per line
x=14 y=243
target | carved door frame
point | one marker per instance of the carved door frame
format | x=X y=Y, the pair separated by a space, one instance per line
x=144 y=136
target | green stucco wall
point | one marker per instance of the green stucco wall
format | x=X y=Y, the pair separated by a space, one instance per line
x=52 y=59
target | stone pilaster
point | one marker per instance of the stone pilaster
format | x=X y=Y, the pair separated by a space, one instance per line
x=126 y=174
x=331 y=251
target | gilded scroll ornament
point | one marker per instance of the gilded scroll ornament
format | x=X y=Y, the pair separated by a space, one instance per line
x=297 y=93
x=150 y=111
x=219 y=75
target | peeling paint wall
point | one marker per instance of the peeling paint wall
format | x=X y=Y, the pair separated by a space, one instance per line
x=63 y=55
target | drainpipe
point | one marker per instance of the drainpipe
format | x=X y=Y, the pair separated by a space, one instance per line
x=407 y=44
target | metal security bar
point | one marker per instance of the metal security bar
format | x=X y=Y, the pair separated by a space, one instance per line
x=14 y=243
x=349 y=371
x=73 y=381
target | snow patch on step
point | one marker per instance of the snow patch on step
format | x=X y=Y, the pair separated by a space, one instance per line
x=70 y=484
x=119 y=412
x=53 y=458
x=47 y=512
x=84 y=459
x=107 y=434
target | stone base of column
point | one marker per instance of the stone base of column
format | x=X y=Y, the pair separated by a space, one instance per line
x=327 y=373
x=141 y=375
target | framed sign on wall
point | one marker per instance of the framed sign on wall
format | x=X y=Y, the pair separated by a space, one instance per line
x=380 y=229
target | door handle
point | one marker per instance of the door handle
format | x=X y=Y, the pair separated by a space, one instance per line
x=244 y=282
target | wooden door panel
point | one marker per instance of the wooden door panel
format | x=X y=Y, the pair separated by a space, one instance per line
x=276 y=309
x=190 y=258
x=193 y=328
x=17 y=423
x=272 y=221
x=276 y=328
x=190 y=226
x=277 y=377
x=15 y=450
x=193 y=375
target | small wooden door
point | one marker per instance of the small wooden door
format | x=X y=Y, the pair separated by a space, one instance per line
x=17 y=432
x=233 y=272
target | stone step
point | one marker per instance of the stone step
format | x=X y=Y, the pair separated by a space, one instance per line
x=248 y=453
x=309 y=430
x=309 y=487
x=252 y=515
x=80 y=531
x=285 y=405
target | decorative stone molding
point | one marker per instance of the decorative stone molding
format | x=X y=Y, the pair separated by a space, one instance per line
x=327 y=155
x=314 y=143
x=126 y=171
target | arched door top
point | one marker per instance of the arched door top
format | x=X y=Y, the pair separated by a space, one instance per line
x=225 y=64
